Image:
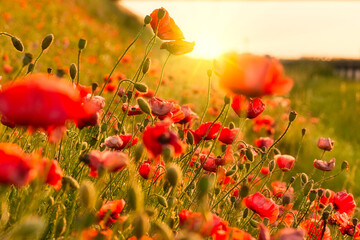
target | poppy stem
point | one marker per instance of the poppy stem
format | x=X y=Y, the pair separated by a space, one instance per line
x=32 y=70
x=78 y=68
x=162 y=73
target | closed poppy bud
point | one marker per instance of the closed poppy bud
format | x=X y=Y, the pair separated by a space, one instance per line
x=17 y=44
x=173 y=175
x=323 y=165
x=87 y=194
x=292 y=116
x=30 y=67
x=355 y=221
x=73 y=71
x=146 y=65
x=162 y=201
x=94 y=86
x=147 y=19
x=27 y=59
x=144 y=105
x=249 y=154
x=245 y=213
x=141 y=225
x=312 y=195
x=135 y=197
x=231 y=125
x=226 y=100
x=71 y=182
x=308 y=186
x=304 y=178
x=141 y=87
x=47 y=41
x=82 y=44
x=244 y=191
x=320 y=192
x=345 y=166
x=161 y=13
x=303 y=131
x=325 y=144
x=286 y=199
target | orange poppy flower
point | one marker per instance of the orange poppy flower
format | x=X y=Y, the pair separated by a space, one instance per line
x=265 y=207
x=166 y=28
x=178 y=47
x=252 y=75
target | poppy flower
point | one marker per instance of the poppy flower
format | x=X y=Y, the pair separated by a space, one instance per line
x=264 y=122
x=314 y=229
x=160 y=107
x=189 y=115
x=7 y=68
x=323 y=165
x=110 y=161
x=264 y=142
x=290 y=234
x=285 y=162
x=53 y=172
x=16 y=167
x=97 y=103
x=133 y=110
x=247 y=107
x=42 y=101
x=147 y=170
x=158 y=137
x=326 y=200
x=264 y=233
x=166 y=27
x=344 y=202
x=93 y=234
x=264 y=170
x=279 y=188
x=6 y=122
x=227 y=135
x=178 y=47
x=265 y=207
x=175 y=114
x=232 y=233
x=204 y=128
x=111 y=210
x=252 y=75
x=325 y=144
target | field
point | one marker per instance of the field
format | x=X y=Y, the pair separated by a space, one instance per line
x=167 y=180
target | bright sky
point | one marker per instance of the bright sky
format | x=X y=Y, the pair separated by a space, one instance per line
x=281 y=29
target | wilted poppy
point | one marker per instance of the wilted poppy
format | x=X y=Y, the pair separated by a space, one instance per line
x=285 y=162
x=265 y=207
x=110 y=211
x=247 y=107
x=344 y=202
x=178 y=47
x=160 y=107
x=120 y=142
x=252 y=75
x=324 y=165
x=158 y=137
x=166 y=28
x=325 y=144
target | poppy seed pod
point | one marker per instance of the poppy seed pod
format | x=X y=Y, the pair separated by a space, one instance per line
x=82 y=44
x=173 y=175
x=144 y=105
x=146 y=65
x=141 y=87
x=73 y=71
x=47 y=41
x=28 y=57
x=17 y=44
x=147 y=19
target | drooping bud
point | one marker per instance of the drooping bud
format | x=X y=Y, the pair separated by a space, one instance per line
x=304 y=178
x=71 y=182
x=162 y=201
x=190 y=137
x=28 y=57
x=87 y=194
x=249 y=154
x=244 y=190
x=308 y=186
x=146 y=66
x=292 y=179
x=144 y=105
x=292 y=116
x=82 y=44
x=345 y=166
x=17 y=44
x=141 y=87
x=47 y=41
x=73 y=71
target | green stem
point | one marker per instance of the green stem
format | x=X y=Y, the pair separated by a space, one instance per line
x=162 y=73
x=36 y=60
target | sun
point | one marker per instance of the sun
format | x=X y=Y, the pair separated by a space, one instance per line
x=207 y=47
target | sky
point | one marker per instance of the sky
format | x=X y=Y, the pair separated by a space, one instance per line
x=281 y=29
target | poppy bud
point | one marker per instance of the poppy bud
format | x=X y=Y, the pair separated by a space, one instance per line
x=146 y=65
x=226 y=100
x=47 y=41
x=60 y=226
x=355 y=221
x=171 y=201
x=161 y=13
x=292 y=116
x=303 y=131
x=60 y=73
x=320 y=192
x=141 y=87
x=247 y=166
x=162 y=201
x=345 y=166
x=308 y=186
x=249 y=154
x=49 y=70
x=245 y=213
x=30 y=68
x=173 y=175
x=223 y=148
x=229 y=173
x=71 y=182
x=266 y=221
x=325 y=215
x=144 y=105
x=73 y=71
x=17 y=44
x=147 y=19
x=82 y=44
x=217 y=191
x=292 y=179
x=87 y=194
x=135 y=197
x=286 y=200
x=204 y=186
x=232 y=199
x=138 y=152
x=190 y=137
x=162 y=230
x=141 y=225
x=124 y=99
x=304 y=178
x=231 y=125
x=168 y=152
x=312 y=195
x=27 y=59
x=271 y=165
x=209 y=73
x=244 y=191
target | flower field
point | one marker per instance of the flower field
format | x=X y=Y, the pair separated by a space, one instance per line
x=109 y=131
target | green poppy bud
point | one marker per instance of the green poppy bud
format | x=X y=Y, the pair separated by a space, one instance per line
x=17 y=44
x=47 y=41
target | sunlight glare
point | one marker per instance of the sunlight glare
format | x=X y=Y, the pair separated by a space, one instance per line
x=207 y=47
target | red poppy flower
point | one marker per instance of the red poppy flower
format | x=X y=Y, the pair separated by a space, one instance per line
x=93 y=234
x=263 y=206
x=160 y=107
x=126 y=139
x=110 y=161
x=42 y=101
x=53 y=173
x=97 y=103
x=16 y=167
x=324 y=200
x=285 y=162
x=114 y=208
x=264 y=142
x=291 y=234
x=247 y=107
x=227 y=135
x=133 y=110
x=251 y=75
x=325 y=144
x=314 y=229
x=147 y=170
x=166 y=27
x=264 y=170
x=278 y=188
x=175 y=114
x=189 y=115
x=158 y=137
x=232 y=233
x=344 y=202
x=6 y=122
x=323 y=165
x=202 y=130
x=178 y=47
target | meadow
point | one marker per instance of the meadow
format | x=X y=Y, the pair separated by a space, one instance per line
x=185 y=167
